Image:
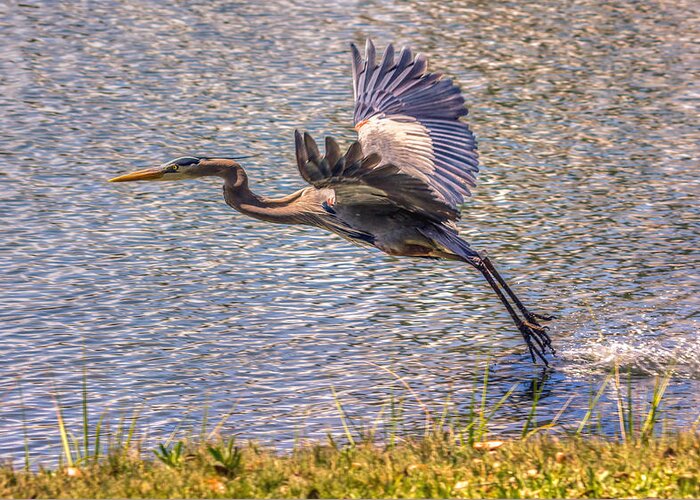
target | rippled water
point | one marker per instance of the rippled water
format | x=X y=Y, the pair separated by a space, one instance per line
x=586 y=114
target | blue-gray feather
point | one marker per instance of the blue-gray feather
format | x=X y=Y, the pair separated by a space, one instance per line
x=362 y=179
x=402 y=91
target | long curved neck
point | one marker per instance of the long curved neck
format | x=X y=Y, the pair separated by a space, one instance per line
x=238 y=195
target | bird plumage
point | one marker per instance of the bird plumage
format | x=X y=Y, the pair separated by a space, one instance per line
x=414 y=160
x=399 y=187
x=411 y=117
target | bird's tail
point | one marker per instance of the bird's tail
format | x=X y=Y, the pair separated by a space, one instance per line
x=449 y=240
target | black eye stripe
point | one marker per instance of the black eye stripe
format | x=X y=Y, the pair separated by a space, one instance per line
x=185 y=161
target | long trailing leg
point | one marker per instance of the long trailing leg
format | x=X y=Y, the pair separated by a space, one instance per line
x=533 y=338
x=448 y=245
x=530 y=318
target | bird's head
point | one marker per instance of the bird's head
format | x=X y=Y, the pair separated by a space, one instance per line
x=186 y=167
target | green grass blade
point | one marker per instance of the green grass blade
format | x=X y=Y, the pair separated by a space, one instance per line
x=484 y=394
x=86 y=424
x=630 y=406
x=132 y=429
x=532 y=414
x=483 y=427
x=24 y=429
x=343 y=421
x=653 y=414
x=98 y=433
x=591 y=406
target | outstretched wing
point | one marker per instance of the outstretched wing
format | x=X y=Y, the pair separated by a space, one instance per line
x=411 y=118
x=359 y=179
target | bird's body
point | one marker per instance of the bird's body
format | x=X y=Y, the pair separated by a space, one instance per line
x=398 y=188
x=393 y=230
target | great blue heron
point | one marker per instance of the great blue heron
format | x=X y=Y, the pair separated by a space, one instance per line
x=397 y=188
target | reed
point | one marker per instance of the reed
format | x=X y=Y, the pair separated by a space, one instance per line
x=456 y=455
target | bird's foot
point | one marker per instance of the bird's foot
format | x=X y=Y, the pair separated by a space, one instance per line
x=533 y=321
x=541 y=334
x=537 y=340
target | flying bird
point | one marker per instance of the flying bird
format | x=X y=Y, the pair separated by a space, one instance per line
x=398 y=187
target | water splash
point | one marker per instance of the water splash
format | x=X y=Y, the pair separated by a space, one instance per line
x=639 y=342
x=649 y=358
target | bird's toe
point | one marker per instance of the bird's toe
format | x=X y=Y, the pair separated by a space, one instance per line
x=542 y=317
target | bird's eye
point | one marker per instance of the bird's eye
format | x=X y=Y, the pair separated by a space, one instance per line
x=174 y=168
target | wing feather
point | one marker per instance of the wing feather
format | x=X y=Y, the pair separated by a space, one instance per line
x=367 y=180
x=412 y=119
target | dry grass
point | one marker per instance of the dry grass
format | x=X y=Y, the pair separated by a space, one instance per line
x=434 y=466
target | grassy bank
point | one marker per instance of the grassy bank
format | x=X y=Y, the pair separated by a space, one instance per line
x=435 y=466
x=458 y=455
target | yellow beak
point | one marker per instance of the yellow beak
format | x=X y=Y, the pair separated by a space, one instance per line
x=147 y=174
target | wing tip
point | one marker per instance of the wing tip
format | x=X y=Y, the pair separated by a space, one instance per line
x=311 y=147
x=300 y=150
x=370 y=49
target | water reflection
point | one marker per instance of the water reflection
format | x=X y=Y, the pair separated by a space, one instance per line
x=585 y=114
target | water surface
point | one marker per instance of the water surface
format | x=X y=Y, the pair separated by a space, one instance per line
x=586 y=114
